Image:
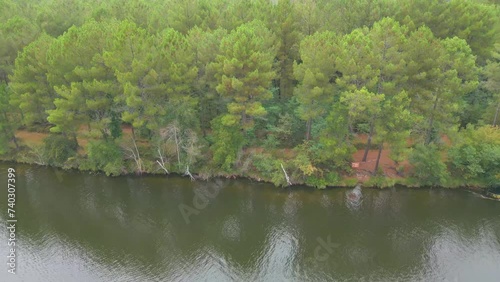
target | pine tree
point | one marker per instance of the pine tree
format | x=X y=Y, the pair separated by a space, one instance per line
x=8 y=122
x=205 y=46
x=32 y=92
x=492 y=72
x=15 y=33
x=286 y=26
x=316 y=76
x=86 y=87
x=244 y=71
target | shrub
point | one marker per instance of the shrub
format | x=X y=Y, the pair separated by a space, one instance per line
x=380 y=182
x=57 y=149
x=228 y=141
x=317 y=182
x=105 y=156
x=476 y=154
x=271 y=142
x=428 y=166
x=270 y=168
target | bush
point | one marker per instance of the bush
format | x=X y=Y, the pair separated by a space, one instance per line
x=228 y=141
x=58 y=148
x=332 y=178
x=380 y=182
x=4 y=144
x=316 y=182
x=104 y=156
x=428 y=166
x=476 y=155
x=270 y=168
x=271 y=142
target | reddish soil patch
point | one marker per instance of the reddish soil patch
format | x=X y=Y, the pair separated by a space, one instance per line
x=32 y=138
x=446 y=140
x=36 y=138
x=366 y=169
x=82 y=142
x=127 y=129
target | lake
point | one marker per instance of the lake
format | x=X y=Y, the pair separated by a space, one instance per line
x=76 y=226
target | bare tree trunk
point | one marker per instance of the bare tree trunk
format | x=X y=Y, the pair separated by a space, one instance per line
x=162 y=163
x=189 y=174
x=431 y=122
x=75 y=139
x=134 y=153
x=369 y=142
x=138 y=160
x=286 y=176
x=351 y=129
x=308 y=129
x=177 y=147
x=36 y=151
x=14 y=139
x=496 y=115
x=381 y=146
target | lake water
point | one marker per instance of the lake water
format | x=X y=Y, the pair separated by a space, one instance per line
x=80 y=227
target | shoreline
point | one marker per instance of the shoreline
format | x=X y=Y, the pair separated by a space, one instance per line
x=344 y=183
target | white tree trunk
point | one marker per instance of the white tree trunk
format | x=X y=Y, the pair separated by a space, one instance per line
x=189 y=173
x=161 y=163
x=286 y=176
x=134 y=154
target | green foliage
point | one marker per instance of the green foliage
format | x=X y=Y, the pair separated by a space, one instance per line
x=334 y=147
x=15 y=33
x=472 y=21
x=58 y=149
x=115 y=126
x=303 y=161
x=380 y=182
x=271 y=142
x=286 y=26
x=244 y=71
x=106 y=156
x=205 y=47
x=492 y=84
x=316 y=76
x=270 y=168
x=437 y=82
x=8 y=124
x=282 y=122
x=32 y=92
x=228 y=141
x=315 y=181
x=252 y=75
x=476 y=154
x=322 y=181
x=86 y=87
x=428 y=166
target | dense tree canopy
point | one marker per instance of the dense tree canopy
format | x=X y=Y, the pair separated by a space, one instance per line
x=249 y=80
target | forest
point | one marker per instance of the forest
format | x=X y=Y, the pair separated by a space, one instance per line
x=285 y=91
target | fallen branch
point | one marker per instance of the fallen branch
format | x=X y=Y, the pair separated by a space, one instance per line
x=162 y=164
x=286 y=176
x=189 y=173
